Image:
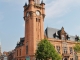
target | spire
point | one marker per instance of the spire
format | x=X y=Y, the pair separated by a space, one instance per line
x=25 y=4
x=42 y=1
x=62 y=28
x=37 y=1
x=30 y=0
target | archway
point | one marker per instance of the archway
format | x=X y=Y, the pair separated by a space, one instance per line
x=65 y=58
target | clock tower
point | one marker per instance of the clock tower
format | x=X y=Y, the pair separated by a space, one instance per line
x=34 y=14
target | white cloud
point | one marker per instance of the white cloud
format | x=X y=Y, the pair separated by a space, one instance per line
x=58 y=8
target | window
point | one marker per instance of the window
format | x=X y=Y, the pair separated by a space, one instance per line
x=71 y=51
x=56 y=35
x=67 y=37
x=37 y=20
x=71 y=58
x=65 y=50
x=62 y=37
x=37 y=42
x=27 y=49
x=58 y=49
x=76 y=57
x=20 y=52
x=17 y=52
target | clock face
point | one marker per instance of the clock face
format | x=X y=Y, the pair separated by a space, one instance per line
x=37 y=13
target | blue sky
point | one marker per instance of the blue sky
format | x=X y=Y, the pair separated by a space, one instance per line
x=59 y=13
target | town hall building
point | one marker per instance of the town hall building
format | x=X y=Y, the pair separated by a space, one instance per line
x=34 y=16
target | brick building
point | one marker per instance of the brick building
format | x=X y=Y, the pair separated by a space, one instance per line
x=11 y=55
x=34 y=14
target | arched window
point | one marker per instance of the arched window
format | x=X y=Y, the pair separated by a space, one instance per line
x=17 y=52
x=58 y=49
x=26 y=48
x=71 y=50
x=20 y=52
x=62 y=37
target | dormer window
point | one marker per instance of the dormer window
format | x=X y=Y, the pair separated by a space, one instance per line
x=56 y=35
x=76 y=38
x=62 y=37
x=67 y=37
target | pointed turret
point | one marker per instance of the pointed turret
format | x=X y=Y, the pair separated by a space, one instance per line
x=62 y=28
x=43 y=8
x=25 y=6
x=41 y=1
x=37 y=1
x=31 y=2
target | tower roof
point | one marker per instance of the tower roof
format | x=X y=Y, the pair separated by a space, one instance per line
x=42 y=1
x=49 y=32
x=31 y=0
x=25 y=4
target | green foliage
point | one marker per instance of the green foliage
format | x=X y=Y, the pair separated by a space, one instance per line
x=79 y=40
x=46 y=51
x=77 y=48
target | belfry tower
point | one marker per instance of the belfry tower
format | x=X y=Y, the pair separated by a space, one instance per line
x=34 y=14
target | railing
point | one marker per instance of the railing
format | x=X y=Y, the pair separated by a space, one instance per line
x=66 y=54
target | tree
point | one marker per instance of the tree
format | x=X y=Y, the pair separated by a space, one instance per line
x=77 y=48
x=79 y=39
x=46 y=51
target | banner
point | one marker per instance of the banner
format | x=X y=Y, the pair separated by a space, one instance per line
x=28 y=58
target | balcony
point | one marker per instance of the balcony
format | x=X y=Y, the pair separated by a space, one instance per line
x=66 y=54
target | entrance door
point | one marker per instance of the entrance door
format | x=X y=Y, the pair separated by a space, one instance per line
x=65 y=58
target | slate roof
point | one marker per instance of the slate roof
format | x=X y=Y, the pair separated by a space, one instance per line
x=20 y=43
x=49 y=32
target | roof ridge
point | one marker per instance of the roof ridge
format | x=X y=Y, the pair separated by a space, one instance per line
x=53 y=28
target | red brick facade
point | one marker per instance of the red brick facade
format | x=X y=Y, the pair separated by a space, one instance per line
x=34 y=14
